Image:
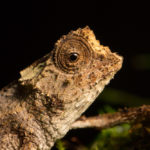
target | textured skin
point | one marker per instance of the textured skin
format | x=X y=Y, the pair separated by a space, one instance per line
x=53 y=92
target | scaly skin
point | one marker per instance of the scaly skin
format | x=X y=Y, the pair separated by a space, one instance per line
x=53 y=92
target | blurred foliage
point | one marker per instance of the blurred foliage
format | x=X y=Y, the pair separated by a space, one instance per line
x=105 y=109
x=123 y=137
x=118 y=97
x=141 y=62
x=60 y=145
x=116 y=138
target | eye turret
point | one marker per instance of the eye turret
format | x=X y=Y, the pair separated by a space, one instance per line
x=72 y=54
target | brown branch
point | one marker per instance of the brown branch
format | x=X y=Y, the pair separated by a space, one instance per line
x=127 y=115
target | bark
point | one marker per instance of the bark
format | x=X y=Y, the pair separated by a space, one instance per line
x=126 y=115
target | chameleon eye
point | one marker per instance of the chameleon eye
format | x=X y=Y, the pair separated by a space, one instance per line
x=74 y=57
x=72 y=54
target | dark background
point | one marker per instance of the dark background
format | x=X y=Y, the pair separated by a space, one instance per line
x=29 y=31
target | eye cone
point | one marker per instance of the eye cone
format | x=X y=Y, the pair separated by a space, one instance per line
x=73 y=54
x=73 y=57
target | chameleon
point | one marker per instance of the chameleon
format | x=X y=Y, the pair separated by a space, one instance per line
x=52 y=93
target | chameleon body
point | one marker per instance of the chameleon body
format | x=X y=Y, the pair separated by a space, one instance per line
x=54 y=91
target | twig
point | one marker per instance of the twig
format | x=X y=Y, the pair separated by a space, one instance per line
x=127 y=115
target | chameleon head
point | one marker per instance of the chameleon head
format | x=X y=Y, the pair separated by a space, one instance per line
x=74 y=74
x=81 y=56
x=77 y=70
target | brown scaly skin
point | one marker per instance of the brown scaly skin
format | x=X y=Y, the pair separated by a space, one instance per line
x=53 y=92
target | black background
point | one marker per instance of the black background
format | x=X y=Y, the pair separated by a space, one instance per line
x=30 y=29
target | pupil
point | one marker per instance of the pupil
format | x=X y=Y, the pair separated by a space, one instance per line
x=73 y=56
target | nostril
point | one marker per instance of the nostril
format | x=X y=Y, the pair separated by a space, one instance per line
x=101 y=57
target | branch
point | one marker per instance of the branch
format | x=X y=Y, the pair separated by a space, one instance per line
x=126 y=115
